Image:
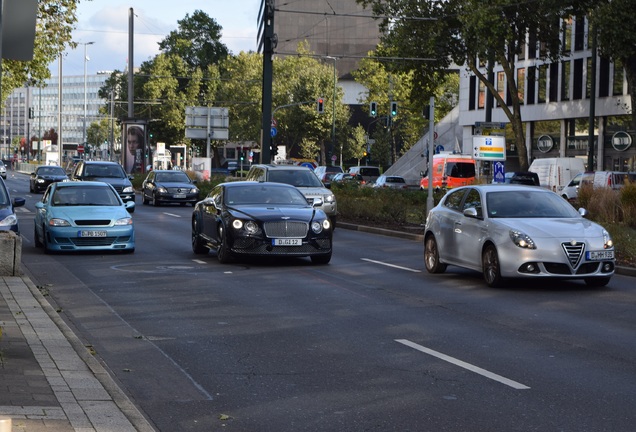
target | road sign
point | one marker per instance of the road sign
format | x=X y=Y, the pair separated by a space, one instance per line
x=274 y=131
x=80 y=148
x=439 y=149
x=274 y=122
x=489 y=147
x=499 y=173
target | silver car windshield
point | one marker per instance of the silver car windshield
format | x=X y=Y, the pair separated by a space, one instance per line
x=528 y=204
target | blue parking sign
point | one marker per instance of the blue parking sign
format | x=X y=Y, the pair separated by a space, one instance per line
x=498 y=172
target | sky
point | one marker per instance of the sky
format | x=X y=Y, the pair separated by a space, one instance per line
x=106 y=22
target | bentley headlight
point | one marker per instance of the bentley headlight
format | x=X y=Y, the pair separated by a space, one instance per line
x=607 y=240
x=522 y=240
x=326 y=224
x=316 y=227
x=124 y=221
x=128 y=189
x=251 y=227
x=56 y=222
x=237 y=224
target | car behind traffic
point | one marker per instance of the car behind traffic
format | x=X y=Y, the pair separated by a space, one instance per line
x=44 y=175
x=169 y=187
x=8 y=218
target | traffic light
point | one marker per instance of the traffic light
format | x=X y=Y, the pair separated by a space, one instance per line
x=241 y=154
x=274 y=150
x=393 y=109
x=320 y=107
x=373 y=109
x=31 y=113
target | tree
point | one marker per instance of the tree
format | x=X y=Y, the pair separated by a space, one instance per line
x=55 y=22
x=469 y=33
x=617 y=41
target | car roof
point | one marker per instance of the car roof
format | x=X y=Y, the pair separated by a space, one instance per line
x=234 y=184
x=281 y=167
x=490 y=187
x=100 y=162
x=82 y=183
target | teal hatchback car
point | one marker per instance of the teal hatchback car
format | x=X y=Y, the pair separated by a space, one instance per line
x=83 y=216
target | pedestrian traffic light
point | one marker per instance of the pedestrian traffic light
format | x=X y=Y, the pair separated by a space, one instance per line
x=274 y=150
x=393 y=109
x=373 y=109
x=320 y=105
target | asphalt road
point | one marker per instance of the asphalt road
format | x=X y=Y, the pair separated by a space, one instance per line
x=370 y=342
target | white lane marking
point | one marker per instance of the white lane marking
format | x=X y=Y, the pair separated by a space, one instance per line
x=172 y=214
x=391 y=265
x=199 y=261
x=464 y=365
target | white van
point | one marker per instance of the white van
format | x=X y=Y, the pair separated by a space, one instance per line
x=555 y=173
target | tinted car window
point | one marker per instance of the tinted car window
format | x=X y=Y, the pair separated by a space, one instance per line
x=454 y=200
x=460 y=169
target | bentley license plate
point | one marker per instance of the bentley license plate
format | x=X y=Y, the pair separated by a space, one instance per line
x=600 y=255
x=92 y=233
x=288 y=242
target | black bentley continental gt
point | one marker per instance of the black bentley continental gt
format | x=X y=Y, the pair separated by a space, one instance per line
x=260 y=219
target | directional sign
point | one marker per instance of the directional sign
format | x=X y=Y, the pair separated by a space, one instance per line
x=499 y=174
x=274 y=132
x=439 y=149
x=489 y=148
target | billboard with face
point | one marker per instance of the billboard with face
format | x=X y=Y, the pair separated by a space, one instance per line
x=134 y=148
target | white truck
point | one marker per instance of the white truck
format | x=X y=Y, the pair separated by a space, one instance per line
x=555 y=173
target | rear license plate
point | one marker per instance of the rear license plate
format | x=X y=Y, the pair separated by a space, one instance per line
x=92 y=233
x=176 y=196
x=599 y=255
x=288 y=242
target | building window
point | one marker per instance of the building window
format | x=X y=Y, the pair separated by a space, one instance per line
x=532 y=81
x=554 y=82
x=543 y=83
x=579 y=34
x=577 y=81
x=565 y=80
x=521 y=84
x=532 y=45
x=588 y=81
x=482 y=95
x=603 y=78
x=472 y=92
x=566 y=35
x=501 y=85
x=617 y=89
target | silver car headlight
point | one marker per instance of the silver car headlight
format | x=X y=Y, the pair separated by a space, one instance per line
x=522 y=240
x=128 y=189
x=608 y=243
x=329 y=198
x=56 y=222
x=9 y=220
x=124 y=221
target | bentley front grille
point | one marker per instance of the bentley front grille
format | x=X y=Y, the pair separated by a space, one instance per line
x=286 y=229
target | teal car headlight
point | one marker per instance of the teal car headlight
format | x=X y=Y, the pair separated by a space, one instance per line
x=522 y=240
x=124 y=221
x=9 y=220
x=56 y=222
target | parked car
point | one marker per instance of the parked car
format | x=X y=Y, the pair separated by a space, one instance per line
x=3 y=170
x=368 y=173
x=168 y=186
x=8 y=218
x=326 y=172
x=555 y=173
x=44 y=175
x=393 y=182
x=301 y=177
x=449 y=171
x=522 y=177
x=248 y=218
x=348 y=179
x=83 y=216
x=109 y=172
x=515 y=231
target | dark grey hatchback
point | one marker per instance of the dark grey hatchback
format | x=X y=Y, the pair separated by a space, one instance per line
x=107 y=172
x=8 y=219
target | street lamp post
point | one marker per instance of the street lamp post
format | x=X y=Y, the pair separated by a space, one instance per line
x=85 y=97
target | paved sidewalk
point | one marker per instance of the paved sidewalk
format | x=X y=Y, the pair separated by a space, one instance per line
x=49 y=381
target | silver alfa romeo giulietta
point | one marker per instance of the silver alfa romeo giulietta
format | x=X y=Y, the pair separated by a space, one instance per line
x=515 y=231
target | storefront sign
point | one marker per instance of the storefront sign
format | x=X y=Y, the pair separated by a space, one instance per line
x=621 y=141
x=545 y=143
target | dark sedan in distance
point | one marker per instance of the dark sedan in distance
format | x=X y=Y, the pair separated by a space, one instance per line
x=169 y=187
x=44 y=175
x=261 y=219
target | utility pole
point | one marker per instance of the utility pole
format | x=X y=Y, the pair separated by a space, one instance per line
x=267 y=41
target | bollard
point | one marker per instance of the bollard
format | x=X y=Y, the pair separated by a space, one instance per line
x=5 y=424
